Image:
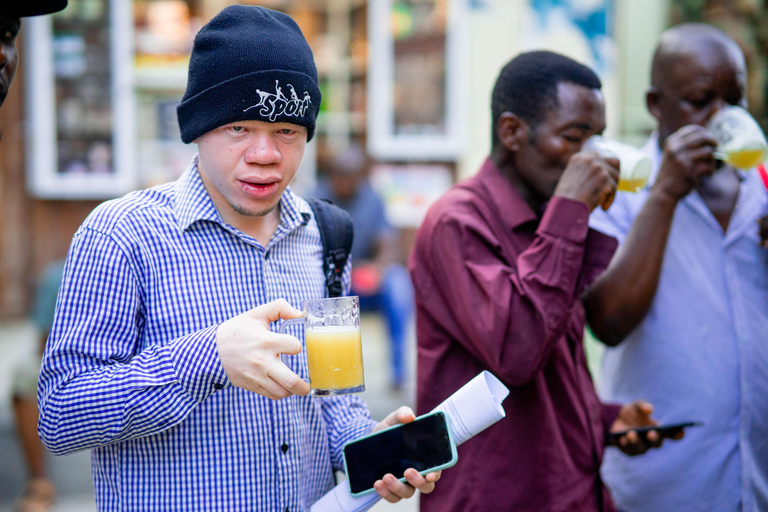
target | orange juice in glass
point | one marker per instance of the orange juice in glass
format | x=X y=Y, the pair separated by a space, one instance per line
x=333 y=343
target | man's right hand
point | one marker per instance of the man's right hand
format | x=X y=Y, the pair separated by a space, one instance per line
x=589 y=178
x=250 y=352
x=687 y=156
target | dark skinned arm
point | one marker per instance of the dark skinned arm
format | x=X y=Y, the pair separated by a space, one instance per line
x=620 y=298
x=763 y=230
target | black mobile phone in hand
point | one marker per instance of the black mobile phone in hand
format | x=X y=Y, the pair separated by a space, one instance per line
x=664 y=430
x=426 y=444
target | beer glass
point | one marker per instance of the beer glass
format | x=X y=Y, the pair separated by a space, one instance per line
x=740 y=141
x=634 y=165
x=333 y=345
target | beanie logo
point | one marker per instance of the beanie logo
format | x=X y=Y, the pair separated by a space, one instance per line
x=273 y=105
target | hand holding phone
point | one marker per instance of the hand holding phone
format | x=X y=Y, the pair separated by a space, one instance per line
x=665 y=431
x=425 y=444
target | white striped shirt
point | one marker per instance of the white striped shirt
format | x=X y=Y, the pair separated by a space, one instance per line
x=132 y=372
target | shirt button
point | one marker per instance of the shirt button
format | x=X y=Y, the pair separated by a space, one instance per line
x=284 y=447
x=218 y=386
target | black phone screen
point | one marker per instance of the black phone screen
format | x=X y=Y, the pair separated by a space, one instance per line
x=422 y=444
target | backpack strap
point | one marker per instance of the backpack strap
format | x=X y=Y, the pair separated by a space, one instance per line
x=336 y=233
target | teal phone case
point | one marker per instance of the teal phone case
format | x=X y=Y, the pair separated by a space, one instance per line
x=451 y=462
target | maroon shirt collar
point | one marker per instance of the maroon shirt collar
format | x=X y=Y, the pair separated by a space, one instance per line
x=507 y=200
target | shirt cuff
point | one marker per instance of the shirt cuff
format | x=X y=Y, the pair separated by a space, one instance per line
x=565 y=218
x=355 y=429
x=197 y=364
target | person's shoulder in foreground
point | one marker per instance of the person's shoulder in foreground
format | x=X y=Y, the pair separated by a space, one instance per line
x=498 y=266
x=39 y=492
x=684 y=301
x=163 y=346
x=11 y=12
x=132 y=206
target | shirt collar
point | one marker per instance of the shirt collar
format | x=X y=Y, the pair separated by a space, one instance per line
x=192 y=200
x=508 y=201
x=293 y=213
x=193 y=203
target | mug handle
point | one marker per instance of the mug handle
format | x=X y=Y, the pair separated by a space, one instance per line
x=286 y=323
x=283 y=326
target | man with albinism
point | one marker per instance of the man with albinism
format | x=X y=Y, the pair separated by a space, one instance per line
x=164 y=357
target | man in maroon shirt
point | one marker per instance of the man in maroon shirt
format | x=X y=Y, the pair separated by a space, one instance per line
x=498 y=267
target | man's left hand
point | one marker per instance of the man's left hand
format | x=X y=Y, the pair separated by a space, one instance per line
x=389 y=487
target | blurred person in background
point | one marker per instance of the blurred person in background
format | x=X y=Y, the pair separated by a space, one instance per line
x=498 y=268
x=685 y=300
x=378 y=276
x=39 y=493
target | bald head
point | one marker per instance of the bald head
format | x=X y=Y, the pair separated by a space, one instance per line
x=347 y=172
x=692 y=40
x=352 y=160
x=697 y=70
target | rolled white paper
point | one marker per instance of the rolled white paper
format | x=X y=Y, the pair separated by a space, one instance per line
x=475 y=407
x=471 y=409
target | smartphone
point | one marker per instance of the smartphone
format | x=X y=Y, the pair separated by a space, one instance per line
x=426 y=444
x=663 y=430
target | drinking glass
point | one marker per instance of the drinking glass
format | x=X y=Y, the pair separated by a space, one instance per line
x=333 y=345
x=740 y=141
x=634 y=165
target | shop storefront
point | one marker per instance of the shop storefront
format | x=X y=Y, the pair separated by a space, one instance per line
x=92 y=113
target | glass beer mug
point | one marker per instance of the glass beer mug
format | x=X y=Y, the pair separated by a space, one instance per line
x=333 y=345
x=740 y=141
x=634 y=165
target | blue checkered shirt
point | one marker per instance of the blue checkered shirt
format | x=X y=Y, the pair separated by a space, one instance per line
x=132 y=372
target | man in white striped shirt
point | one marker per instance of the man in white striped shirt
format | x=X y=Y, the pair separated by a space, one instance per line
x=161 y=359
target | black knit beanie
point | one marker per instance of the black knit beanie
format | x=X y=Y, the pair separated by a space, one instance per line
x=249 y=63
